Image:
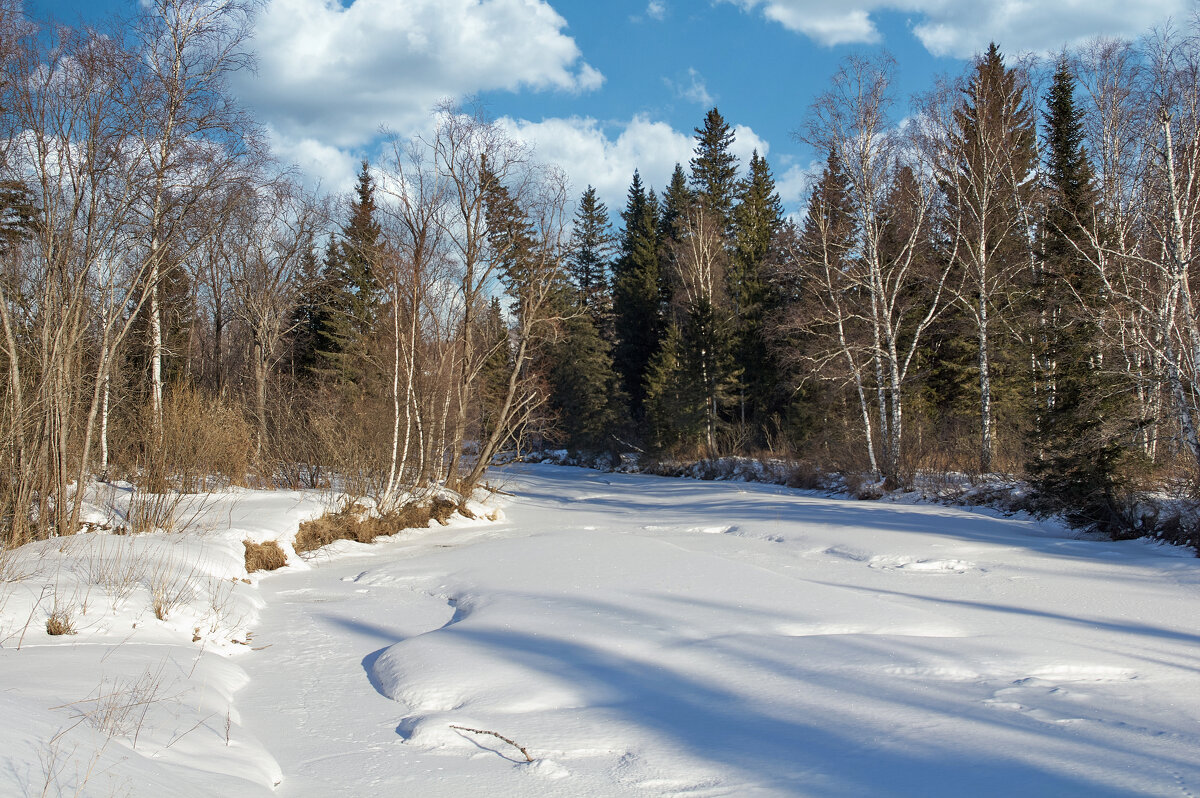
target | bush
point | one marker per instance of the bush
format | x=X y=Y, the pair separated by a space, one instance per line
x=265 y=556
x=354 y=523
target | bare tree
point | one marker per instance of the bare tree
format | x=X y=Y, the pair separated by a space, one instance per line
x=899 y=289
x=271 y=234
x=192 y=136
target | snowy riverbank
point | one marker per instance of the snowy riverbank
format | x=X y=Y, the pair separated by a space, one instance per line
x=637 y=636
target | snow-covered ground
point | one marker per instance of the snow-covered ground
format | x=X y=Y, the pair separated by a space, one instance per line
x=637 y=636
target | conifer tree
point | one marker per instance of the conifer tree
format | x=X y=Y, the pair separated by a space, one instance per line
x=497 y=365
x=585 y=390
x=757 y=219
x=636 y=311
x=677 y=198
x=591 y=260
x=1078 y=467
x=307 y=315
x=352 y=298
x=714 y=167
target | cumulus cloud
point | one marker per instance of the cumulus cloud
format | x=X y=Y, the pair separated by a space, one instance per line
x=964 y=27
x=334 y=73
x=605 y=157
x=656 y=9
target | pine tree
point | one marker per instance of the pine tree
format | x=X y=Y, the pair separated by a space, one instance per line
x=675 y=201
x=307 y=315
x=674 y=409
x=352 y=299
x=497 y=364
x=591 y=259
x=636 y=309
x=714 y=167
x=1079 y=467
x=585 y=390
x=757 y=219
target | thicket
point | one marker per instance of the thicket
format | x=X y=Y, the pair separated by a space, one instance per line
x=999 y=283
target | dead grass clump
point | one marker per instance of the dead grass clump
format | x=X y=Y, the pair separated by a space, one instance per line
x=353 y=523
x=443 y=509
x=340 y=525
x=265 y=556
x=60 y=623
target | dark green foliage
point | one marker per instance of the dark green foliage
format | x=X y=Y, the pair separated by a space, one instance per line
x=351 y=303
x=1081 y=427
x=18 y=213
x=690 y=382
x=307 y=316
x=592 y=246
x=674 y=410
x=675 y=202
x=585 y=391
x=497 y=364
x=637 y=313
x=714 y=167
x=757 y=219
x=988 y=193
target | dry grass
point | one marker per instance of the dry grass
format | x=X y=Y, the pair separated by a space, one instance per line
x=60 y=622
x=265 y=556
x=171 y=586
x=354 y=523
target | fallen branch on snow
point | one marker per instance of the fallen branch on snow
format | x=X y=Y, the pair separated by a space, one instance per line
x=520 y=748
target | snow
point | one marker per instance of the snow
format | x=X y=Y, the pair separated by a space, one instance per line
x=636 y=635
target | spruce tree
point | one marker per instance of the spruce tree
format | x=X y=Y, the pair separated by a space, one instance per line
x=590 y=259
x=675 y=202
x=636 y=309
x=1080 y=456
x=757 y=219
x=714 y=167
x=497 y=364
x=352 y=299
x=307 y=315
x=584 y=389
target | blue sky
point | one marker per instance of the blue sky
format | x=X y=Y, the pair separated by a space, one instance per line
x=603 y=86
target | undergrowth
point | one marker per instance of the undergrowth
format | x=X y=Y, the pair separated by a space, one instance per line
x=354 y=522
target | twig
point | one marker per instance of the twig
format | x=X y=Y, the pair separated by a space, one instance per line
x=520 y=748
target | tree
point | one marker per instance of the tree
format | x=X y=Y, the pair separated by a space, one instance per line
x=985 y=156
x=819 y=330
x=714 y=168
x=698 y=261
x=1079 y=454
x=636 y=311
x=897 y=289
x=352 y=300
x=585 y=390
x=590 y=260
x=757 y=220
x=193 y=136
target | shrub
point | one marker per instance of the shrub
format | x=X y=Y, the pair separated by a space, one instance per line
x=265 y=556
x=60 y=623
x=353 y=523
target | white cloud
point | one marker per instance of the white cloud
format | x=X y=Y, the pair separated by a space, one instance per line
x=964 y=27
x=335 y=74
x=590 y=155
x=693 y=89
x=792 y=186
x=656 y=9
